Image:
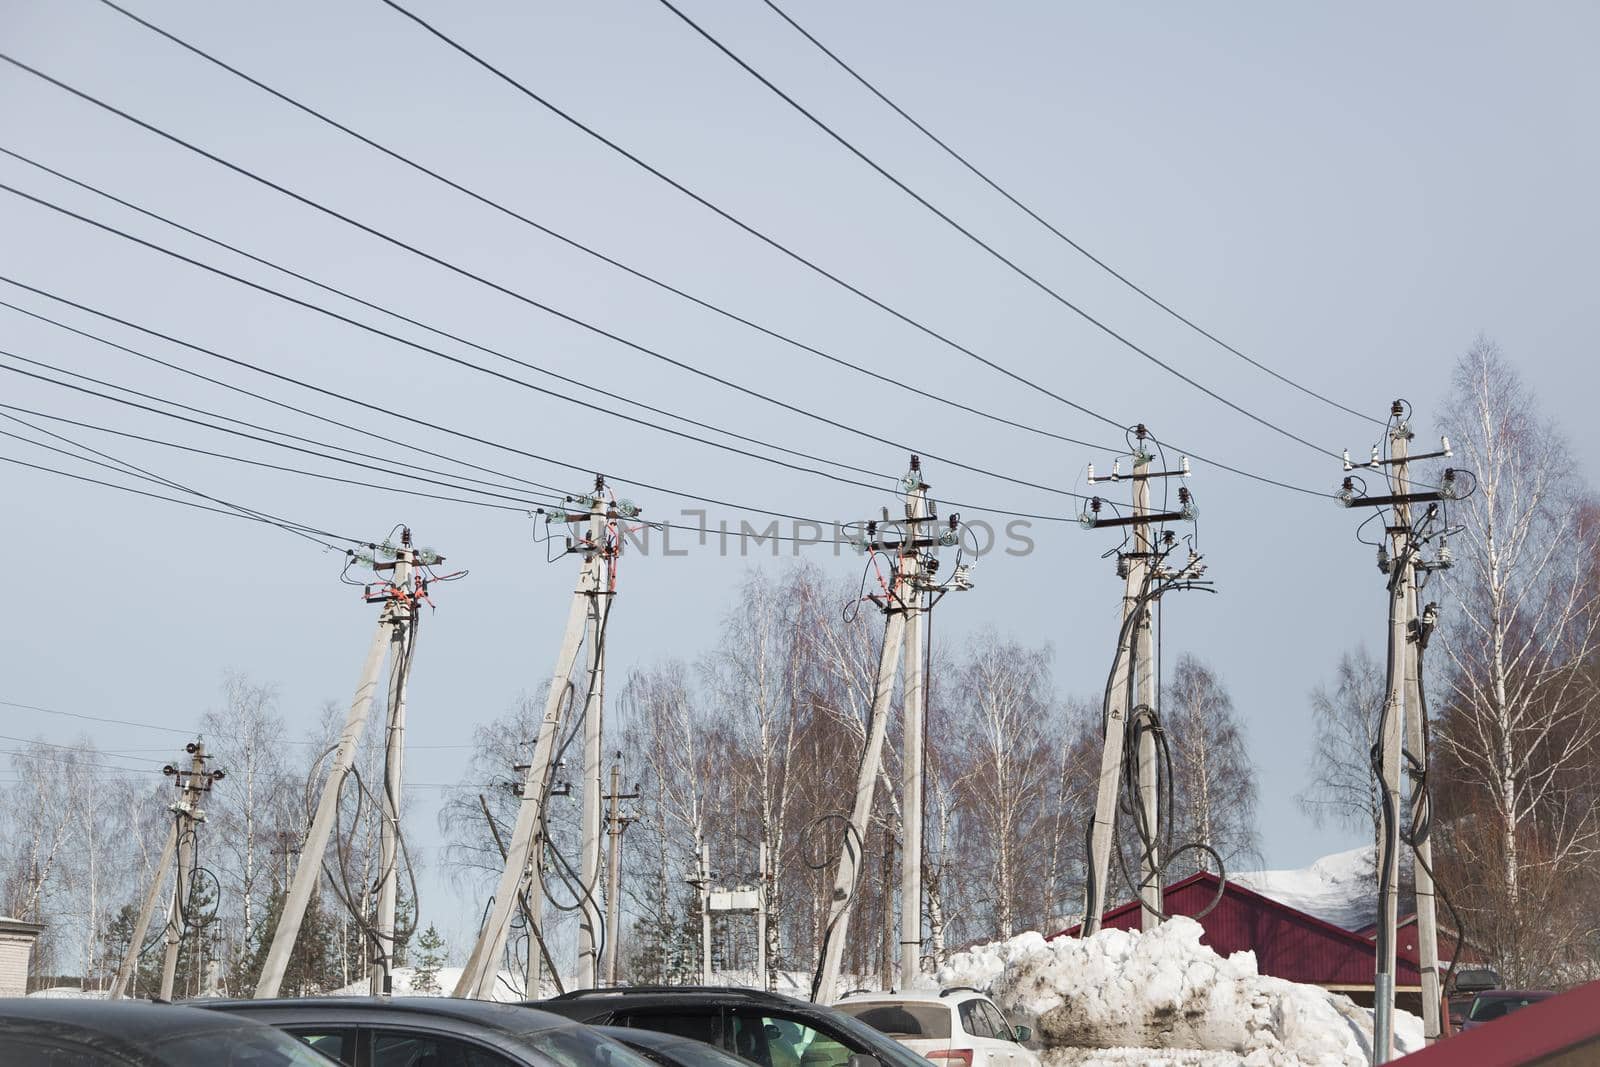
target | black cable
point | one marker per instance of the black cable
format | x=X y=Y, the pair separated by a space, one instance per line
x=1096 y=260
x=261 y=463
x=1015 y=267
x=512 y=378
x=797 y=257
x=482 y=280
x=390 y=461
x=390 y=412
x=345 y=294
x=571 y=242
x=231 y=510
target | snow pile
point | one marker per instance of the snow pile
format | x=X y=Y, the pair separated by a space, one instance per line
x=1112 y=998
x=1336 y=889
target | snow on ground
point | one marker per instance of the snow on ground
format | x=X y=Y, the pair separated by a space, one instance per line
x=506 y=990
x=1336 y=889
x=1111 y=999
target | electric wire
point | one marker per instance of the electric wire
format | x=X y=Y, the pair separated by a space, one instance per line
x=796 y=256
x=179 y=368
x=436 y=330
x=126 y=434
x=389 y=460
x=518 y=381
x=1015 y=267
x=481 y=279
x=231 y=513
x=1096 y=260
x=571 y=242
x=512 y=379
x=389 y=412
x=125 y=467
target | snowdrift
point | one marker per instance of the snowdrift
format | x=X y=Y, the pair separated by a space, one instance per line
x=1114 y=998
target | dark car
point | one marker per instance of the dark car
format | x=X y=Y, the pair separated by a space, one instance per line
x=670 y=1050
x=48 y=1032
x=1493 y=1004
x=433 y=1032
x=766 y=1029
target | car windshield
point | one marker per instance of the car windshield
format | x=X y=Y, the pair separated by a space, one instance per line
x=901 y=1019
x=247 y=1045
x=1486 y=1008
x=579 y=1046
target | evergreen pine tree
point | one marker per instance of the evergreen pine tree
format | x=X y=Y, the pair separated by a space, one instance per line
x=429 y=959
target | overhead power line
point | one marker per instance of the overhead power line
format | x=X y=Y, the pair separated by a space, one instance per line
x=264 y=398
x=1013 y=265
x=809 y=264
x=521 y=510
x=1031 y=213
x=389 y=461
x=392 y=413
x=566 y=239
x=506 y=290
x=231 y=512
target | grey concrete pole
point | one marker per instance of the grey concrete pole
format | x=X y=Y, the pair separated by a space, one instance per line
x=478 y=976
x=761 y=919
x=309 y=870
x=1389 y=741
x=914 y=712
x=614 y=873
x=592 y=816
x=403 y=643
x=1427 y=919
x=147 y=909
x=1103 y=829
x=705 y=913
x=187 y=808
x=1145 y=695
x=849 y=872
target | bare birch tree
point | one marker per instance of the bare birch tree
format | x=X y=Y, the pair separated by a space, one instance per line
x=1521 y=625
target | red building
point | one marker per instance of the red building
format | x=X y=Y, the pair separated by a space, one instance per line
x=1288 y=943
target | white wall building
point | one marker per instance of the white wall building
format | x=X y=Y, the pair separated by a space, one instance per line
x=16 y=949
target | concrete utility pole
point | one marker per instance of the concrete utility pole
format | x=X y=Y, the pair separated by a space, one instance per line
x=589 y=917
x=396 y=633
x=599 y=548
x=1133 y=677
x=1402 y=739
x=616 y=822
x=911 y=550
x=402 y=649
x=914 y=712
x=186 y=816
x=705 y=913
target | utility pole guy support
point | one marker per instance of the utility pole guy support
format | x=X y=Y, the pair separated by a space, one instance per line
x=1130 y=705
x=599 y=546
x=187 y=816
x=1401 y=751
x=396 y=634
x=909 y=594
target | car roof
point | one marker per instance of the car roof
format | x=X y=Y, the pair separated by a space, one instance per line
x=131 y=1020
x=1514 y=994
x=512 y=1018
x=588 y=1003
x=924 y=996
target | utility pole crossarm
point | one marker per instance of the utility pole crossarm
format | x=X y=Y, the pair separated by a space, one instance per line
x=598 y=547
x=1130 y=716
x=395 y=634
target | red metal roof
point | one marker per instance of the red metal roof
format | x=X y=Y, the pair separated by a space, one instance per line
x=1288 y=943
x=1540 y=1033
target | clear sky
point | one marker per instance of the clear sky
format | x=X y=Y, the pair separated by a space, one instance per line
x=1350 y=193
